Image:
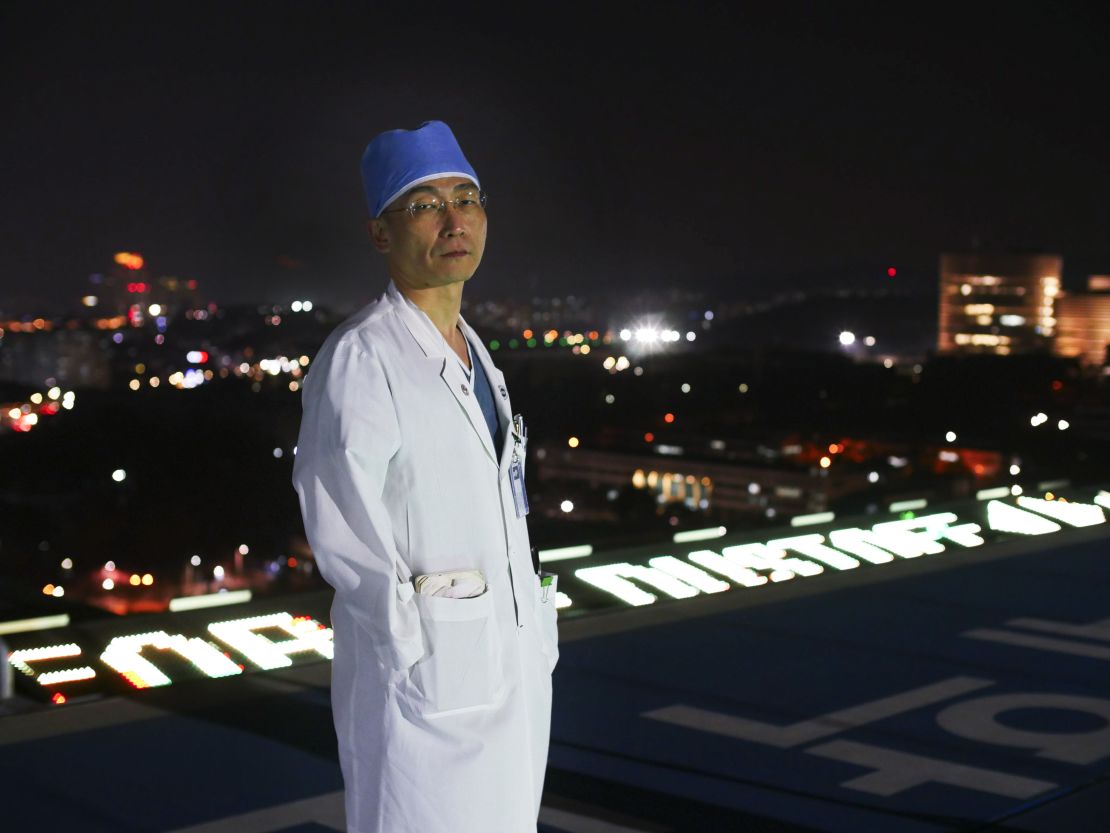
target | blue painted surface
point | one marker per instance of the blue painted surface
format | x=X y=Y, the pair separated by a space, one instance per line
x=792 y=661
x=778 y=662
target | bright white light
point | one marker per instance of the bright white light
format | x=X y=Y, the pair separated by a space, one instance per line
x=1074 y=514
x=565 y=553
x=107 y=584
x=308 y=636
x=869 y=341
x=1038 y=419
x=622 y=363
x=218 y=572
x=625 y=334
x=610 y=399
x=1015 y=489
x=688 y=535
x=847 y=338
x=950 y=436
x=36 y=398
x=1015 y=469
x=567 y=506
x=119 y=475
x=277 y=453
x=110 y=566
x=691 y=335
x=741 y=574
x=610 y=578
x=295 y=306
x=1002 y=517
x=89 y=300
x=54 y=392
x=154 y=309
x=306 y=306
x=1063 y=425
x=609 y=362
x=813 y=547
x=647 y=335
x=67 y=563
x=195 y=356
x=244 y=549
x=224 y=597
x=872 y=477
x=124 y=655
x=686 y=387
x=195 y=560
x=58 y=592
x=689 y=574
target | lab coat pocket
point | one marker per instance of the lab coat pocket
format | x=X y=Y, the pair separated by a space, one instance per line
x=459 y=669
x=547 y=620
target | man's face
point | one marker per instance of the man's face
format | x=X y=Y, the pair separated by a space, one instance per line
x=436 y=248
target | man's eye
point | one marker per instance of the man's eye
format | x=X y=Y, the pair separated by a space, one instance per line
x=424 y=207
x=466 y=202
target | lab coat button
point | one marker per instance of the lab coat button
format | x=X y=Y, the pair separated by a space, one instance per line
x=465 y=390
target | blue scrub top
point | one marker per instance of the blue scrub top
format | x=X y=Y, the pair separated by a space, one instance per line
x=484 y=391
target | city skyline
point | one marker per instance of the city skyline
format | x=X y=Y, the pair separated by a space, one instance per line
x=715 y=149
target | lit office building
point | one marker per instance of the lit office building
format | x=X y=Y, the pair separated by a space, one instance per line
x=1083 y=329
x=998 y=304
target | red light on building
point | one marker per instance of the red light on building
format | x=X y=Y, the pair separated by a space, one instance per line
x=1057 y=384
x=58 y=698
x=668 y=418
x=649 y=437
x=891 y=271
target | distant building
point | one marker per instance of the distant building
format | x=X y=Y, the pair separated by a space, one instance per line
x=998 y=303
x=71 y=357
x=1083 y=330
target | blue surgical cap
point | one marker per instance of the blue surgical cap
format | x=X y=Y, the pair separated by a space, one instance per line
x=398 y=160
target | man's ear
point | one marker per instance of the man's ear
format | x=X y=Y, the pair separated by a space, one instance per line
x=379 y=234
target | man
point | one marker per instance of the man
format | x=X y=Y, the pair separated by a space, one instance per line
x=409 y=470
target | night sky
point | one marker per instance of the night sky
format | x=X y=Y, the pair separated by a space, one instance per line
x=716 y=146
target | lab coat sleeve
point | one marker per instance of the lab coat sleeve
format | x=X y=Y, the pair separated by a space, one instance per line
x=349 y=433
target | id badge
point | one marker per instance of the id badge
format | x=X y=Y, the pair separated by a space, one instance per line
x=516 y=480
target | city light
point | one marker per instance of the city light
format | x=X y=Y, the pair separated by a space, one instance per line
x=573 y=442
x=847 y=338
x=119 y=475
x=567 y=506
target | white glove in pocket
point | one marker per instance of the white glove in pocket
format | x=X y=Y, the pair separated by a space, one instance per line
x=452 y=584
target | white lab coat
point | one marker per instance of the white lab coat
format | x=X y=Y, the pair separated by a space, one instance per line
x=442 y=706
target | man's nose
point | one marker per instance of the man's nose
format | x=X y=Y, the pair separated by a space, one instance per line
x=452 y=221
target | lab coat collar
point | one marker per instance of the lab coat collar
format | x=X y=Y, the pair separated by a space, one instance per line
x=445 y=363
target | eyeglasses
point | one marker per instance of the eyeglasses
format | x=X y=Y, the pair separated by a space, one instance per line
x=429 y=205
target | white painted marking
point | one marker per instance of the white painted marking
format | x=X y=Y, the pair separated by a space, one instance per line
x=1099 y=629
x=1040 y=643
x=896 y=772
x=833 y=723
x=977 y=720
